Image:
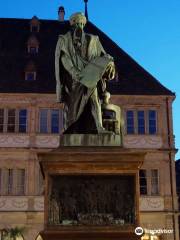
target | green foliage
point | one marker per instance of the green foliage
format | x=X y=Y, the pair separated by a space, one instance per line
x=13 y=233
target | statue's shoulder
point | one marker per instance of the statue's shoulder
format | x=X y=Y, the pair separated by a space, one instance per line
x=64 y=37
x=92 y=37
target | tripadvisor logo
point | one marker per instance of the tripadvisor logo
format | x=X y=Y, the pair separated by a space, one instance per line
x=139 y=231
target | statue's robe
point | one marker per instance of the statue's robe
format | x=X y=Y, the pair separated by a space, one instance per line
x=77 y=77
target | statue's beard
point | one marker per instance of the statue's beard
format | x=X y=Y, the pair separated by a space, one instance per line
x=78 y=33
x=78 y=37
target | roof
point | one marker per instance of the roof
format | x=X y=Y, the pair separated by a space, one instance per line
x=14 y=34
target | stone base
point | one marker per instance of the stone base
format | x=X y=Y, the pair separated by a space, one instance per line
x=97 y=161
x=105 y=139
x=89 y=235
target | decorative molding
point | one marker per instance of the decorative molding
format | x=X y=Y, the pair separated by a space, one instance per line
x=151 y=204
x=168 y=203
x=39 y=204
x=47 y=141
x=11 y=102
x=144 y=141
x=13 y=203
x=52 y=141
x=28 y=99
x=14 y=140
x=17 y=140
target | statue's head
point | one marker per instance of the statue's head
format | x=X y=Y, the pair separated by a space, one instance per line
x=78 y=20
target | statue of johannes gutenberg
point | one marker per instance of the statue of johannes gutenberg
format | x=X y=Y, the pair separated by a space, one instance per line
x=82 y=68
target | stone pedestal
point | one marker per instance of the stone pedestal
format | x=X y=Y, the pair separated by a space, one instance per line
x=97 y=163
x=89 y=235
x=105 y=139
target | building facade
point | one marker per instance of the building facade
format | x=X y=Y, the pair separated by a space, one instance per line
x=178 y=186
x=31 y=122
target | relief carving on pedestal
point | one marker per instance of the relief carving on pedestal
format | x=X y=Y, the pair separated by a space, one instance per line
x=92 y=200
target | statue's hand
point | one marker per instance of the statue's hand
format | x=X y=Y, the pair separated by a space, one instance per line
x=110 y=72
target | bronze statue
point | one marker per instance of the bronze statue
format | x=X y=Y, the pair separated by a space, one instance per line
x=82 y=68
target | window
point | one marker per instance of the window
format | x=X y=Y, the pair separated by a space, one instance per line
x=50 y=121
x=13 y=120
x=34 y=24
x=143 y=181
x=33 y=50
x=22 y=120
x=130 y=122
x=43 y=121
x=149 y=182
x=141 y=121
x=34 y=28
x=1 y=119
x=152 y=121
x=30 y=70
x=55 y=121
x=33 y=44
x=20 y=188
x=30 y=76
x=10 y=182
x=154 y=182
